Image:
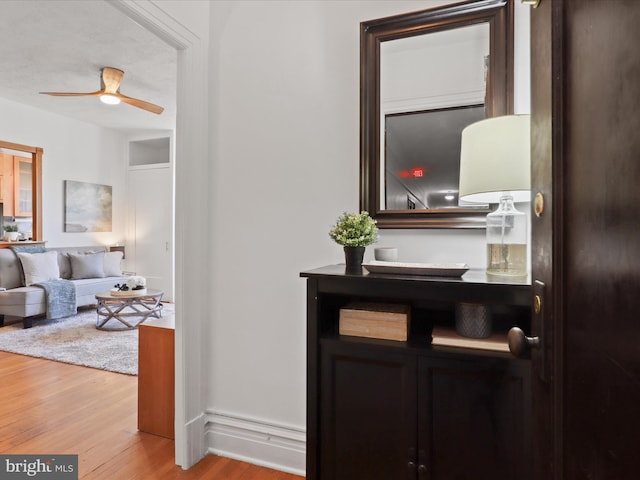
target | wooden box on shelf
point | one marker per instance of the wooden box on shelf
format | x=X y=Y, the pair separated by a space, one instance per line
x=386 y=321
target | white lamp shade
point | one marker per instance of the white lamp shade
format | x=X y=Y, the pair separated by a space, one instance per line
x=495 y=157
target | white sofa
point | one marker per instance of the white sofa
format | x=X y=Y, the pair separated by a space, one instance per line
x=27 y=302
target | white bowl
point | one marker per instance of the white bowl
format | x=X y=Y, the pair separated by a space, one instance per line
x=386 y=254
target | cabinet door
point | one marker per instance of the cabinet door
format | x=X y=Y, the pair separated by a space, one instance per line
x=367 y=413
x=474 y=420
x=23 y=188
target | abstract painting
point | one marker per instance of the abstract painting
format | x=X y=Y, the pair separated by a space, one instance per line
x=87 y=207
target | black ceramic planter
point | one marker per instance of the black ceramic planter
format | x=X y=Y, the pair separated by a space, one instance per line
x=353 y=259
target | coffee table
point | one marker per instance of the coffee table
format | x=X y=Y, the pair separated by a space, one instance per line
x=130 y=311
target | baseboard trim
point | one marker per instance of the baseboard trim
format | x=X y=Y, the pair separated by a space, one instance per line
x=278 y=446
x=192 y=447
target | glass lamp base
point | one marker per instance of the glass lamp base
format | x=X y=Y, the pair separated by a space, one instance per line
x=507 y=259
x=507 y=240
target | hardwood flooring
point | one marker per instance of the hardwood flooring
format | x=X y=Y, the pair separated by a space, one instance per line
x=48 y=407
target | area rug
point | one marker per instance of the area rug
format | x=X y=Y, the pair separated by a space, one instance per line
x=76 y=340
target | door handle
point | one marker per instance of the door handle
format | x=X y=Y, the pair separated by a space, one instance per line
x=519 y=343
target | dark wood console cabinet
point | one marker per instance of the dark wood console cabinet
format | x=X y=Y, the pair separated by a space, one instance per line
x=389 y=410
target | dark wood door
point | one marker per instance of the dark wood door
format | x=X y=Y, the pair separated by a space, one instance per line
x=586 y=243
x=546 y=184
x=473 y=420
x=368 y=413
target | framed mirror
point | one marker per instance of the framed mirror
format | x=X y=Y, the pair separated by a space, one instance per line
x=425 y=76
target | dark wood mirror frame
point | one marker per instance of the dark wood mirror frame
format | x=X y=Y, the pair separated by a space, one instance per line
x=499 y=101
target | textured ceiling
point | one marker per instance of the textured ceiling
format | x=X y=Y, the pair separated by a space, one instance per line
x=62 y=45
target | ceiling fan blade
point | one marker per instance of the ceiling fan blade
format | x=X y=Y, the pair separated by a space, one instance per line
x=111 y=79
x=141 y=104
x=71 y=94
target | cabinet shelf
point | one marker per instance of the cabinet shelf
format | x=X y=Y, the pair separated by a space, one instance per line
x=423 y=345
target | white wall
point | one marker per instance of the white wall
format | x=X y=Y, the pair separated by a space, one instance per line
x=285 y=163
x=72 y=150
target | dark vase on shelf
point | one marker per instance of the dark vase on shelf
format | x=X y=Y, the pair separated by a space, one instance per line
x=353 y=259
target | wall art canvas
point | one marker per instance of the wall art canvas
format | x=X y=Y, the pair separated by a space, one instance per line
x=87 y=207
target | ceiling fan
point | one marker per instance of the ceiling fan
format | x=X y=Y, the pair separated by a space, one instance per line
x=109 y=93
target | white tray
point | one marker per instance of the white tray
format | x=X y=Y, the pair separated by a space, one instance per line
x=432 y=269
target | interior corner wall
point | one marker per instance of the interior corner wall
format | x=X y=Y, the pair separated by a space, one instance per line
x=72 y=150
x=284 y=165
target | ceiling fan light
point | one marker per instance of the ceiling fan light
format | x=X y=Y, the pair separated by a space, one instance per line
x=109 y=99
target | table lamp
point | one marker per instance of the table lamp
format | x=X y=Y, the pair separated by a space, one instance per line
x=495 y=168
x=117 y=248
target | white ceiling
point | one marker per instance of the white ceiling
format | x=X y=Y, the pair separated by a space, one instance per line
x=62 y=46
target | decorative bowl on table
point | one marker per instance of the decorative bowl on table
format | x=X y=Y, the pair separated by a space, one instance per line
x=127 y=293
x=134 y=285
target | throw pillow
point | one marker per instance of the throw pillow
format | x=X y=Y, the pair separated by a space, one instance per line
x=86 y=265
x=112 y=264
x=65 y=265
x=39 y=267
x=25 y=249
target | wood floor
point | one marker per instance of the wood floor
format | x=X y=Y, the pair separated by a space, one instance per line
x=49 y=407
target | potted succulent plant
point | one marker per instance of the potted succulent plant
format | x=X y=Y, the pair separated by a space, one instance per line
x=11 y=232
x=354 y=231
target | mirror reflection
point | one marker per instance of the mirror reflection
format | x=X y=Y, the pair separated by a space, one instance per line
x=426 y=100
